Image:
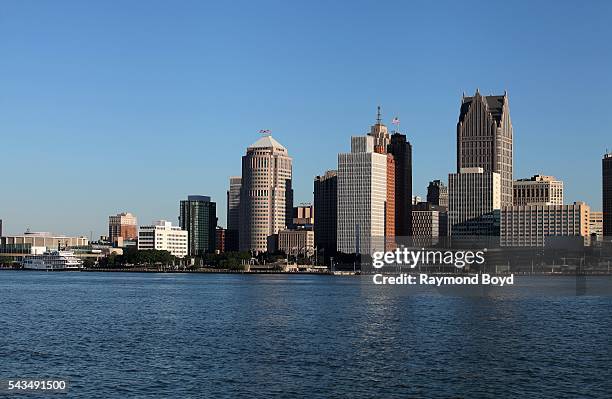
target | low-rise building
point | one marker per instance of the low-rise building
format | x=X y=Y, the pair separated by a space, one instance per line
x=429 y=220
x=163 y=236
x=296 y=242
x=596 y=224
x=23 y=243
x=532 y=225
x=538 y=189
x=303 y=216
x=220 y=236
x=474 y=202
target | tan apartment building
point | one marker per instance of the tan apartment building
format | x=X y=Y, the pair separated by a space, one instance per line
x=531 y=225
x=538 y=189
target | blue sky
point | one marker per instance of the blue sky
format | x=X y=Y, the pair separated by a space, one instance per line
x=132 y=105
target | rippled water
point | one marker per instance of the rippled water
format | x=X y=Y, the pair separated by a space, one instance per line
x=210 y=335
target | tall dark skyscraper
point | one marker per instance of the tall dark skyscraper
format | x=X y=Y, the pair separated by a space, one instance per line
x=198 y=215
x=326 y=212
x=484 y=138
x=401 y=149
x=233 y=214
x=607 y=194
x=437 y=193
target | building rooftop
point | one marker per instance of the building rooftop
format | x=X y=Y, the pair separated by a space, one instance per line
x=267 y=142
x=198 y=198
x=495 y=105
x=538 y=178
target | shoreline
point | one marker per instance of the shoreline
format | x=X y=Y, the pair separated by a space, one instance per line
x=320 y=273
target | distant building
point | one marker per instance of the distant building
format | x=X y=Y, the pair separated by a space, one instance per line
x=303 y=216
x=296 y=242
x=362 y=197
x=484 y=139
x=380 y=133
x=416 y=199
x=606 y=163
x=401 y=149
x=474 y=202
x=425 y=224
x=390 y=205
x=28 y=240
x=198 y=216
x=543 y=190
x=233 y=214
x=266 y=195
x=398 y=179
x=596 y=224
x=221 y=236
x=122 y=227
x=533 y=225
x=0 y=227
x=162 y=236
x=437 y=193
x=429 y=220
x=326 y=213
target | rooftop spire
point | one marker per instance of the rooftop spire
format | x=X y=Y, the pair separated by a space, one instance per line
x=378 y=118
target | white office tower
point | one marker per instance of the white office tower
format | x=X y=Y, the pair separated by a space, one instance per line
x=266 y=196
x=474 y=199
x=163 y=236
x=362 y=194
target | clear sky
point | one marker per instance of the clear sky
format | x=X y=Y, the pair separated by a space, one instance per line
x=115 y=106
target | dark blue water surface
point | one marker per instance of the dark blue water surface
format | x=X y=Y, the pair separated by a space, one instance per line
x=213 y=335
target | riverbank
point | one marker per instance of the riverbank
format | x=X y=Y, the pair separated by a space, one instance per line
x=307 y=272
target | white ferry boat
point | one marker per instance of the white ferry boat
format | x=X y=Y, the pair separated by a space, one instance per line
x=52 y=260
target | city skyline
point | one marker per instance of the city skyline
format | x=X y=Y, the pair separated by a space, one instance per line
x=93 y=138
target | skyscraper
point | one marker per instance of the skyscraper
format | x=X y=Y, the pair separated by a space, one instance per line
x=606 y=164
x=266 y=194
x=437 y=193
x=484 y=138
x=233 y=214
x=326 y=212
x=401 y=149
x=362 y=197
x=198 y=216
x=121 y=227
x=399 y=177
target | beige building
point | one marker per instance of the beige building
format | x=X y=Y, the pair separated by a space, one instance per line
x=596 y=224
x=43 y=239
x=531 y=225
x=163 y=236
x=538 y=190
x=296 y=242
x=266 y=194
x=474 y=196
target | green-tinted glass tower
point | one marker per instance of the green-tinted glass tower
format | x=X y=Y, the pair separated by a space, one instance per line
x=199 y=217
